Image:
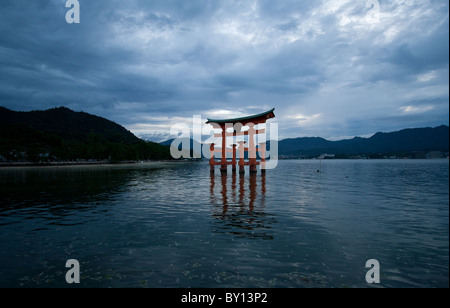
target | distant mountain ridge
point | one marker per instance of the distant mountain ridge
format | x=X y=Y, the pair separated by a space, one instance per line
x=399 y=142
x=60 y=134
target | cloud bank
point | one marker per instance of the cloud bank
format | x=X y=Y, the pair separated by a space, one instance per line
x=333 y=68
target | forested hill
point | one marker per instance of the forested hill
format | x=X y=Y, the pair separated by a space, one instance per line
x=60 y=134
x=404 y=143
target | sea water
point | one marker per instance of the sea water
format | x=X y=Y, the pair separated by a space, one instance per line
x=307 y=223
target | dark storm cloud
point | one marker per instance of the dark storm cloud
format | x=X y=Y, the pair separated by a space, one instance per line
x=327 y=68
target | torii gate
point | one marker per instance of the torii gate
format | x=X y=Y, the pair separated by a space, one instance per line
x=249 y=121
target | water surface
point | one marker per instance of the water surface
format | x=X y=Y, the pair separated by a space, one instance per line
x=175 y=225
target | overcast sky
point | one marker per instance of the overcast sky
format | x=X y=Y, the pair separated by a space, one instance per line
x=332 y=68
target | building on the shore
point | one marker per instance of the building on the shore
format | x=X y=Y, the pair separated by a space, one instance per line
x=327 y=156
x=418 y=155
x=434 y=154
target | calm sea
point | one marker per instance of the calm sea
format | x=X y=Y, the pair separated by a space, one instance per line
x=175 y=225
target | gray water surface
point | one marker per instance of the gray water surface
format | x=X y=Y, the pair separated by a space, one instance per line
x=178 y=226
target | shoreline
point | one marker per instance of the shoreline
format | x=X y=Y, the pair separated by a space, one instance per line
x=106 y=164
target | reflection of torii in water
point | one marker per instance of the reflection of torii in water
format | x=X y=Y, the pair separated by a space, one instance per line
x=252 y=184
x=239 y=211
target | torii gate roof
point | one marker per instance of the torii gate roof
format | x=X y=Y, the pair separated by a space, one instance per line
x=255 y=119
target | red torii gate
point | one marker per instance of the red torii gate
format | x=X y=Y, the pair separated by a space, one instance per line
x=249 y=121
